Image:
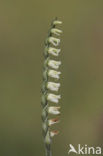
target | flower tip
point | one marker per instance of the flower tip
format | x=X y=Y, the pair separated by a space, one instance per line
x=56 y=22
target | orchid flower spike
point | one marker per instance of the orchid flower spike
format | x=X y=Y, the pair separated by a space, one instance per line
x=51 y=76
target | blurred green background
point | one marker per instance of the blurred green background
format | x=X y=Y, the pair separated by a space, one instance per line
x=23 y=29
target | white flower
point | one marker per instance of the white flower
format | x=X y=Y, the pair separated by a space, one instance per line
x=54 y=41
x=57 y=22
x=56 y=31
x=54 y=64
x=54 y=110
x=53 y=133
x=54 y=74
x=53 y=86
x=54 y=51
x=53 y=121
x=53 y=98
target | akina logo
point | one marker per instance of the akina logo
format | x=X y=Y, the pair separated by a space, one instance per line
x=84 y=150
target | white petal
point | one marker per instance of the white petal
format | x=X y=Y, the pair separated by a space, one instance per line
x=54 y=64
x=54 y=74
x=54 y=41
x=53 y=98
x=53 y=86
x=54 y=51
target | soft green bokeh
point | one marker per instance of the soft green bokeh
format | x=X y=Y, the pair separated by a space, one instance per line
x=23 y=29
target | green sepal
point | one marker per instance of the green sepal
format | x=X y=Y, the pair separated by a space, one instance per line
x=45 y=75
x=45 y=113
x=47 y=138
x=46 y=54
x=46 y=63
x=44 y=87
x=44 y=100
x=45 y=127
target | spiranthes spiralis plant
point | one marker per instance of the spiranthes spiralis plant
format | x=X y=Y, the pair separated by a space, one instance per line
x=51 y=76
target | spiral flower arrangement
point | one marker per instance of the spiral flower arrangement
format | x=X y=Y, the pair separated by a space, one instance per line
x=51 y=75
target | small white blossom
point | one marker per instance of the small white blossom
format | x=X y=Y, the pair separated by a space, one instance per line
x=54 y=41
x=53 y=133
x=56 y=31
x=54 y=64
x=54 y=74
x=54 y=110
x=53 y=98
x=53 y=86
x=54 y=51
x=57 y=22
x=53 y=121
